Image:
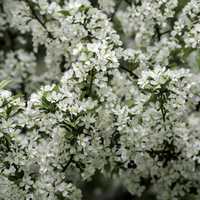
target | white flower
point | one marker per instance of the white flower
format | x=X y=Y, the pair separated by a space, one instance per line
x=5 y=94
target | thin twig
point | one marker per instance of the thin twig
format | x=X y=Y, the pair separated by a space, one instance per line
x=91 y=82
x=128 y=2
x=34 y=14
x=68 y=163
x=130 y=72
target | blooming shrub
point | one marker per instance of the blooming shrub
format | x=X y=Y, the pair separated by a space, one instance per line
x=108 y=86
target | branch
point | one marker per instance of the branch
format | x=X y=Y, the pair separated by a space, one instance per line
x=130 y=72
x=94 y=3
x=34 y=14
x=68 y=163
x=129 y=2
x=91 y=82
x=116 y=9
x=62 y=64
x=89 y=90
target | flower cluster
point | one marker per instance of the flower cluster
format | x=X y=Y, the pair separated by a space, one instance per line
x=99 y=87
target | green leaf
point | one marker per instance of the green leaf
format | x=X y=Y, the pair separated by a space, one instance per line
x=4 y=83
x=56 y=88
x=118 y=26
x=66 y=13
x=130 y=103
x=83 y=8
x=47 y=105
